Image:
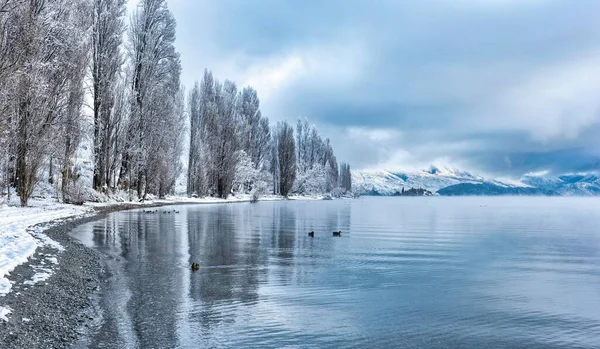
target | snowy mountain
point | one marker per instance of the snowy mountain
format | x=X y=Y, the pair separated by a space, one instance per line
x=433 y=179
x=449 y=181
x=582 y=184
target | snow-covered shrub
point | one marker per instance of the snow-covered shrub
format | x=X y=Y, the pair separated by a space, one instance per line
x=312 y=181
x=245 y=174
x=261 y=186
x=338 y=192
x=248 y=179
x=43 y=189
x=94 y=196
x=119 y=195
x=76 y=193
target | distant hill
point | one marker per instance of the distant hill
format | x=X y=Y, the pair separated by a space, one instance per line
x=487 y=189
x=448 y=181
x=568 y=185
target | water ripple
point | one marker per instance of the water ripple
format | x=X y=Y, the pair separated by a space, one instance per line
x=435 y=273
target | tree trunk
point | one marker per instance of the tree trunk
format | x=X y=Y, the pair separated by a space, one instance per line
x=64 y=186
x=21 y=170
x=139 y=185
x=124 y=173
x=51 y=172
x=97 y=143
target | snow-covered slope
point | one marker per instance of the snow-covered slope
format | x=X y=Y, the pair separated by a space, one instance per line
x=433 y=179
x=458 y=182
x=579 y=184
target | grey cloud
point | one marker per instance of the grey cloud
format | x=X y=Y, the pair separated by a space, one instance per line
x=432 y=70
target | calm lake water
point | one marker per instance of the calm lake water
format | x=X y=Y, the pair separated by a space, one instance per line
x=407 y=273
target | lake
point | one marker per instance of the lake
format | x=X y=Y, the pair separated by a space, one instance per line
x=426 y=272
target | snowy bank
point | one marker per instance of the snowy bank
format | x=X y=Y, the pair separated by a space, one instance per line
x=176 y=200
x=19 y=239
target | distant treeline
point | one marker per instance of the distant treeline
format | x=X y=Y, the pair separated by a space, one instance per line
x=413 y=192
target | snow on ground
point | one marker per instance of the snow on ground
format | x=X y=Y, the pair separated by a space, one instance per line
x=509 y=183
x=3 y=313
x=37 y=232
x=204 y=200
x=17 y=243
x=19 y=239
x=39 y=276
x=43 y=269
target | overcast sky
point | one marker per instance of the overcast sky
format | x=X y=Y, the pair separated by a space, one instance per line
x=501 y=87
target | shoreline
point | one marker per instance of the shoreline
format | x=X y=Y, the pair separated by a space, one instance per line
x=60 y=311
x=54 y=313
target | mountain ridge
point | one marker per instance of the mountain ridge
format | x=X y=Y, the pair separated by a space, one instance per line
x=451 y=181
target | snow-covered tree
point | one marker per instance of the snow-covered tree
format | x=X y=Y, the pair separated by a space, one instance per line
x=49 y=47
x=345 y=177
x=253 y=129
x=166 y=148
x=224 y=141
x=107 y=58
x=312 y=181
x=302 y=144
x=10 y=53
x=312 y=152
x=154 y=68
x=194 y=157
x=245 y=174
x=285 y=152
x=78 y=39
x=213 y=138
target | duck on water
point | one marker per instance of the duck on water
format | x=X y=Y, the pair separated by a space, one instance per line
x=335 y=233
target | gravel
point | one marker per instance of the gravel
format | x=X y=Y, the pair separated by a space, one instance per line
x=62 y=311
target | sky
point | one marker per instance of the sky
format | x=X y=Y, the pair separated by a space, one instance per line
x=501 y=87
